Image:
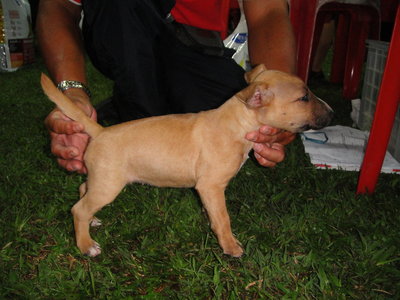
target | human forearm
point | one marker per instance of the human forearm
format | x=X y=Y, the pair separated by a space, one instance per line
x=60 y=40
x=271 y=38
x=62 y=50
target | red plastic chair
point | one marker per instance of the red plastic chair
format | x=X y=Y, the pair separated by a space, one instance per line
x=303 y=16
x=355 y=24
x=385 y=113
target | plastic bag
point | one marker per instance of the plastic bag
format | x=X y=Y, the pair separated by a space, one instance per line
x=16 y=35
x=237 y=40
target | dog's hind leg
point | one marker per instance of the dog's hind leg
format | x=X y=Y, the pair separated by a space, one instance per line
x=100 y=192
x=82 y=191
x=213 y=198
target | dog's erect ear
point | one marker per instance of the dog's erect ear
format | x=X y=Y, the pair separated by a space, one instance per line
x=256 y=95
x=251 y=75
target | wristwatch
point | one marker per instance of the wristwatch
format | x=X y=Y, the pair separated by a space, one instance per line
x=68 y=84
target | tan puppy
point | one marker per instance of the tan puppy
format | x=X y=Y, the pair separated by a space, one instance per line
x=203 y=150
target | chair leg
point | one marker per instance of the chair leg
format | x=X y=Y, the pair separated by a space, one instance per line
x=303 y=21
x=358 y=34
x=340 y=48
x=319 y=24
x=386 y=108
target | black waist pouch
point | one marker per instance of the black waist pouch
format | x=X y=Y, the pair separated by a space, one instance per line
x=204 y=41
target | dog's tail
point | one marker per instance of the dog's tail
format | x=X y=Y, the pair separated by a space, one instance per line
x=69 y=108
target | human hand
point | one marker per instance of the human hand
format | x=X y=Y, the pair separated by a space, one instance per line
x=269 y=144
x=68 y=139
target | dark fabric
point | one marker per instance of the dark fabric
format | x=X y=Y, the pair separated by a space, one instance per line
x=154 y=74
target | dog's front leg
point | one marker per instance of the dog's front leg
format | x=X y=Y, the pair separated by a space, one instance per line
x=213 y=198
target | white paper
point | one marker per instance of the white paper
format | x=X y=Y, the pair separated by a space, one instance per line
x=344 y=149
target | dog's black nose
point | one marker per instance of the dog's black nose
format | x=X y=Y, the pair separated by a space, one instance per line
x=324 y=120
x=320 y=122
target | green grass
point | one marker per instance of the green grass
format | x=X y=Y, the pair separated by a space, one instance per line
x=306 y=234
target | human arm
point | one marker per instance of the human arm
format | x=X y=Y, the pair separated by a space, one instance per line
x=61 y=45
x=271 y=39
x=271 y=42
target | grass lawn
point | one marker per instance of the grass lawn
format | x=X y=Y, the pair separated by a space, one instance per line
x=305 y=233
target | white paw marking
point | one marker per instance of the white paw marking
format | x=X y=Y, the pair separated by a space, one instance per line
x=94 y=250
x=95 y=222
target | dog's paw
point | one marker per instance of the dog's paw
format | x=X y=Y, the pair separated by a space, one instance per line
x=233 y=248
x=235 y=252
x=93 y=250
x=95 y=222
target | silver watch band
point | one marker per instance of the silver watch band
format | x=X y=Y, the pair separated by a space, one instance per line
x=67 y=84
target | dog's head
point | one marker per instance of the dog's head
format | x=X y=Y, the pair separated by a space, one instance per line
x=283 y=101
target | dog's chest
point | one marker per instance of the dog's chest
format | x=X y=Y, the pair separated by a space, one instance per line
x=245 y=155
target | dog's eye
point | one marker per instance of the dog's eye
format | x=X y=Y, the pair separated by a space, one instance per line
x=304 y=98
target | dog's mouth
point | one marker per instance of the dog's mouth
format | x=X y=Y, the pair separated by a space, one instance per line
x=305 y=128
x=319 y=123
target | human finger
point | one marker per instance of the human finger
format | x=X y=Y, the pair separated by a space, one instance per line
x=269 y=154
x=57 y=122
x=72 y=165
x=271 y=135
x=61 y=149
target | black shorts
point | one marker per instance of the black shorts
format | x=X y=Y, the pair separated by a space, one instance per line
x=154 y=73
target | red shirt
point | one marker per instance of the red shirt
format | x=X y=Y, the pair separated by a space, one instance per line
x=205 y=14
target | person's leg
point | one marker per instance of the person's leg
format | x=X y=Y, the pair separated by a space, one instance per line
x=154 y=73
x=122 y=39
